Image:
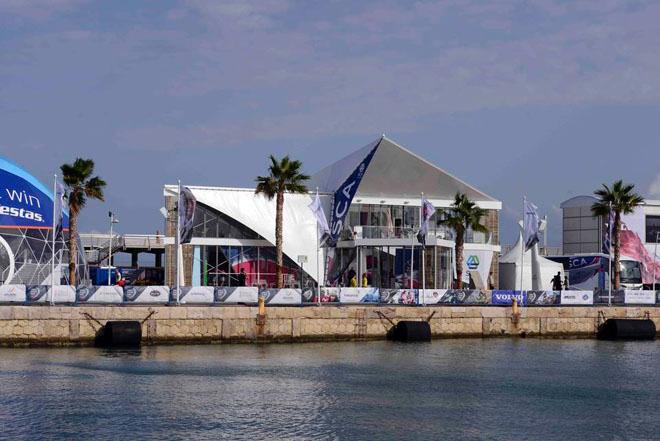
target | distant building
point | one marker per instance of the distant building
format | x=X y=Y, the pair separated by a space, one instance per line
x=585 y=233
x=234 y=228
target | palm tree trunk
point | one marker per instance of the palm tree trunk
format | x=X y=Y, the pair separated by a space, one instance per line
x=459 y=261
x=73 y=246
x=278 y=240
x=617 y=252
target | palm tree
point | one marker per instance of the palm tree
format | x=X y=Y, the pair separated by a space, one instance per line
x=80 y=185
x=284 y=176
x=463 y=214
x=621 y=199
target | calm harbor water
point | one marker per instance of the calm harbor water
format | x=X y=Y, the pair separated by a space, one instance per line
x=454 y=389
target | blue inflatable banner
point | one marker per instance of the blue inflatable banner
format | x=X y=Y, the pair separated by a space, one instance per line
x=24 y=201
x=344 y=196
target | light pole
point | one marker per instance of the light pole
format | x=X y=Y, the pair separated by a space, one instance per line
x=655 y=256
x=113 y=220
x=302 y=259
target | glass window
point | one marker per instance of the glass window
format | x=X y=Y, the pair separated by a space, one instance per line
x=630 y=272
x=210 y=223
x=652 y=228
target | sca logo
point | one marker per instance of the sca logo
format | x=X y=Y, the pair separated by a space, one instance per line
x=473 y=262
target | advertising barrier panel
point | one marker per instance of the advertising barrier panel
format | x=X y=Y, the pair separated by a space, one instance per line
x=359 y=295
x=601 y=296
x=635 y=297
x=41 y=294
x=12 y=293
x=543 y=298
x=193 y=294
x=576 y=297
x=146 y=294
x=433 y=296
x=236 y=294
x=329 y=294
x=505 y=297
x=399 y=296
x=284 y=296
x=100 y=294
x=457 y=296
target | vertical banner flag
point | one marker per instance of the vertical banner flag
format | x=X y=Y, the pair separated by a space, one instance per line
x=531 y=225
x=58 y=200
x=427 y=211
x=344 y=196
x=607 y=240
x=187 y=204
x=317 y=209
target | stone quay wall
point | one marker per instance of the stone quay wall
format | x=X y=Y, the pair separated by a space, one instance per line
x=78 y=325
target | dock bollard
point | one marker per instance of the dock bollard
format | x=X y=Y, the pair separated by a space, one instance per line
x=515 y=313
x=261 y=315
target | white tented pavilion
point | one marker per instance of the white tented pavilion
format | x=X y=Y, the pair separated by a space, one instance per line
x=513 y=262
x=235 y=229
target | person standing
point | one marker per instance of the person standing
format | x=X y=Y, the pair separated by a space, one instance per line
x=556 y=282
x=242 y=277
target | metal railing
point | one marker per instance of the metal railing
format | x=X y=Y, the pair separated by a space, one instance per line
x=438 y=232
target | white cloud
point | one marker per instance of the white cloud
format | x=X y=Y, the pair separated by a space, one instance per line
x=654 y=188
x=38 y=9
x=248 y=14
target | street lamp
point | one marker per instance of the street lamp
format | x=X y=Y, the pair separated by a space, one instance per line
x=302 y=259
x=113 y=220
x=655 y=256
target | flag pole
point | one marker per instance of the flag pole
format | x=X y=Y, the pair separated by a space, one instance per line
x=52 y=263
x=609 y=227
x=412 y=256
x=178 y=239
x=318 y=265
x=522 y=248
x=423 y=249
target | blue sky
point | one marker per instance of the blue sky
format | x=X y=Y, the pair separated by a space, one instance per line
x=541 y=97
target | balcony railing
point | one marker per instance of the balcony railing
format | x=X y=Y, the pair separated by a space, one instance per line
x=439 y=232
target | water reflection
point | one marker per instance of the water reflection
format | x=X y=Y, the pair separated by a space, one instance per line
x=457 y=389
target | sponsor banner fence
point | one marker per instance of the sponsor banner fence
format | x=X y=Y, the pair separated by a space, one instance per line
x=193 y=294
x=283 y=296
x=635 y=297
x=147 y=294
x=577 y=297
x=329 y=294
x=100 y=294
x=543 y=298
x=359 y=295
x=236 y=294
x=399 y=296
x=457 y=296
x=41 y=294
x=12 y=293
x=601 y=296
x=505 y=297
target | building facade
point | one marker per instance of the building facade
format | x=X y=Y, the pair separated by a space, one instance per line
x=584 y=233
x=234 y=229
